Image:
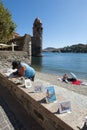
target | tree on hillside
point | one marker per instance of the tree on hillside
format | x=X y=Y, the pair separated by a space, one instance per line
x=7 y=26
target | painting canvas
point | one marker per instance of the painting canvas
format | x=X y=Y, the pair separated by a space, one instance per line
x=38 y=86
x=64 y=106
x=50 y=94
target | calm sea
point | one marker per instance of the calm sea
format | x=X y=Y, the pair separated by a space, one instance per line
x=60 y=63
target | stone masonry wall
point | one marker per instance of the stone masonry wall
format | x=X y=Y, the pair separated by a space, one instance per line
x=42 y=115
x=6 y=57
x=21 y=44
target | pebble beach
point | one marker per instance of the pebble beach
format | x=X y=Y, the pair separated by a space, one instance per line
x=54 y=80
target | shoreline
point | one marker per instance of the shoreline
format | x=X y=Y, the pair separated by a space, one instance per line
x=53 y=79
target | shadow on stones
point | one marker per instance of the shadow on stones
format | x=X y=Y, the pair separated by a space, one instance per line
x=42 y=101
x=83 y=128
x=11 y=116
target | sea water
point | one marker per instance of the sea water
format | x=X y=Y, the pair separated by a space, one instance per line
x=60 y=63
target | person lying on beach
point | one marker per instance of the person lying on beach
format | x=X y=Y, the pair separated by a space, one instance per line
x=67 y=79
x=23 y=69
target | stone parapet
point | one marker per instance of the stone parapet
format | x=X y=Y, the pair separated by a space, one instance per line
x=45 y=114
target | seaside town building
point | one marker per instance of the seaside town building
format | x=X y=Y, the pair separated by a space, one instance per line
x=31 y=44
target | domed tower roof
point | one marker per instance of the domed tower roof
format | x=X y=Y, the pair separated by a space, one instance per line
x=37 y=28
x=37 y=20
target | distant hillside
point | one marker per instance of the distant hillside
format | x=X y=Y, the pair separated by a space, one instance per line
x=49 y=49
x=78 y=48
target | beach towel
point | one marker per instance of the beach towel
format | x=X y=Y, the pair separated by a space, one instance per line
x=77 y=82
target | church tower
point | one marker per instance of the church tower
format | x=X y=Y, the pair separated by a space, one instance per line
x=37 y=38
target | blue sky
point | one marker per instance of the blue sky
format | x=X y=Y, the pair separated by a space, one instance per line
x=64 y=21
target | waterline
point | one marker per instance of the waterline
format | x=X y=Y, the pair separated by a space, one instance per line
x=60 y=63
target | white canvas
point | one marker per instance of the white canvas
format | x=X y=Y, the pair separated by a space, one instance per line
x=64 y=106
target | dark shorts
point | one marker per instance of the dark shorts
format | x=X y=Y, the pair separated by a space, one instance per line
x=32 y=78
x=71 y=79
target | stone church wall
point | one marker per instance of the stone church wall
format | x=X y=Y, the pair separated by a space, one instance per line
x=8 y=56
x=22 y=43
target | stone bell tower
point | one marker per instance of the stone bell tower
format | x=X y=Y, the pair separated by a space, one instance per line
x=37 y=38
